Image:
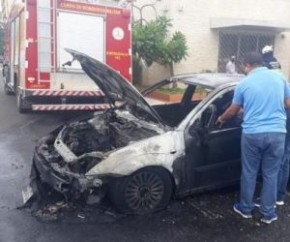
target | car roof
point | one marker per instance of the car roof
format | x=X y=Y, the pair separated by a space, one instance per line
x=208 y=80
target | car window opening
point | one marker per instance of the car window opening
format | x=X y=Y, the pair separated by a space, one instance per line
x=182 y=98
x=214 y=110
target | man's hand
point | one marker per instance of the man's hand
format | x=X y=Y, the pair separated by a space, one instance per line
x=220 y=121
x=229 y=113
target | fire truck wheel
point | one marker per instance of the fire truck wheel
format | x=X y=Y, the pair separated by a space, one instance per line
x=22 y=108
x=7 y=89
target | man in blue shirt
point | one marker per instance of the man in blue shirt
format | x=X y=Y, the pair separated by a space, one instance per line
x=262 y=95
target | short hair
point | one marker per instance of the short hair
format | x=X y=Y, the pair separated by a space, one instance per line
x=253 y=59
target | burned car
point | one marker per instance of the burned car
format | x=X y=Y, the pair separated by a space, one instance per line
x=138 y=155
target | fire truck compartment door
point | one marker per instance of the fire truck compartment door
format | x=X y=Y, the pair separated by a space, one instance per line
x=81 y=32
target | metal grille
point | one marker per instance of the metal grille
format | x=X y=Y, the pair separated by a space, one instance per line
x=237 y=44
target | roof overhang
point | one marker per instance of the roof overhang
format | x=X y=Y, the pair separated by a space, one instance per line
x=247 y=25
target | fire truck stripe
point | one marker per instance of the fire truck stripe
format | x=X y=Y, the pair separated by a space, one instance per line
x=66 y=93
x=56 y=107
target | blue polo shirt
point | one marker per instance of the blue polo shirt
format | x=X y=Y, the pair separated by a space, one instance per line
x=262 y=94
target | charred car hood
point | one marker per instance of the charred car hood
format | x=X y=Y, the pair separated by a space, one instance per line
x=115 y=87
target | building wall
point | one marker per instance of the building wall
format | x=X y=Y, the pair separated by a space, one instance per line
x=193 y=18
x=6 y=6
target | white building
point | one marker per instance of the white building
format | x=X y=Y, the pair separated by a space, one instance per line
x=5 y=8
x=217 y=29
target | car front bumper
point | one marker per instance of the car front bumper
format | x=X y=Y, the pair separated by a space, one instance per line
x=47 y=175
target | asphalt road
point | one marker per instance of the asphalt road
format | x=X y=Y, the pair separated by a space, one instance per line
x=204 y=217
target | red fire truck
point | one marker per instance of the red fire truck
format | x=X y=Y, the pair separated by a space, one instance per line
x=37 y=33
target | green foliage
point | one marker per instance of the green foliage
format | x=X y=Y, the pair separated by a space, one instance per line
x=176 y=90
x=152 y=43
x=207 y=71
x=174 y=50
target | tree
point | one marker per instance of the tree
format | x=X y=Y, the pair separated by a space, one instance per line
x=152 y=43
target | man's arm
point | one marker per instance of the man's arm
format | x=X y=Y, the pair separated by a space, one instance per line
x=229 y=113
x=287 y=102
x=286 y=93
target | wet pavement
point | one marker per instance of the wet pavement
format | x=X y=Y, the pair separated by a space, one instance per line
x=205 y=217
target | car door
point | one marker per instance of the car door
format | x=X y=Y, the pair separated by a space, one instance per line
x=213 y=152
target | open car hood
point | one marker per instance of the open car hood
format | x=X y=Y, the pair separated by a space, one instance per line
x=115 y=87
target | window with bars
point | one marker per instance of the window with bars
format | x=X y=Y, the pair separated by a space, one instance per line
x=237 y=44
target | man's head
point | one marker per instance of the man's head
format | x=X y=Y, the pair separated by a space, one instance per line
x=251 y=61
x=233 y=58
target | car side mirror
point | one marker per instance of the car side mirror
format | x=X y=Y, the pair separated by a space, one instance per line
x=192 y=130
x=197 y=133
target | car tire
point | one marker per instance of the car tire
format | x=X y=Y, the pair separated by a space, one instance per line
x=145 y=191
